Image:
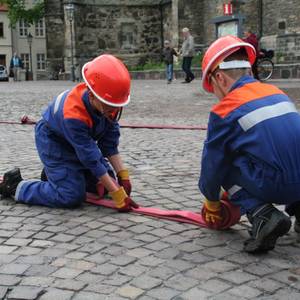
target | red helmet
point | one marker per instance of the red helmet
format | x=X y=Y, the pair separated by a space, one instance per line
x=218 y=51
x=108 y=79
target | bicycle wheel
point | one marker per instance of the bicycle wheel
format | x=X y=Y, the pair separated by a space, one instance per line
x=265 y=69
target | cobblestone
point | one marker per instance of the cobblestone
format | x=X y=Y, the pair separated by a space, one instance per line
x=66 y=273
x=95 y=253
x=146 y=282
x=57 y=294
x=130 y=292
x=3 y=291
x=25 y=293
x=10 y=280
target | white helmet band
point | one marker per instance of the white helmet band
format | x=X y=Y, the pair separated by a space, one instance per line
x=234 y=64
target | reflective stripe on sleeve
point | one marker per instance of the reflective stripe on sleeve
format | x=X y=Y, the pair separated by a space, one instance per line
x=58 y=100
x=264 y=113
x=234 y=189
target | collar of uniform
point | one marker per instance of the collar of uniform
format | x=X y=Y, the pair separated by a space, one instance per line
x=88 y=105
x=242 y=81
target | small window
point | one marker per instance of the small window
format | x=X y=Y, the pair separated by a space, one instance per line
x=23 y=28
x=281 y=25
x=128 y=39
x=1 y=30
x=25 y=60
x=41 y=61
x=40 y=28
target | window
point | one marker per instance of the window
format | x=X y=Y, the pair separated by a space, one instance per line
x=40 y=28
x=40 y=60
x=128 y=36
x=1 y=30
x=281 y=25
x=25 y=60
x=23 y=28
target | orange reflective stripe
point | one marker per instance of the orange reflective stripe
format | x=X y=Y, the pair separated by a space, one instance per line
x=74 y=107
x=240 y=96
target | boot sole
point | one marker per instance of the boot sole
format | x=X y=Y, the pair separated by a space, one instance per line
x=3 y=186
x=268 y=241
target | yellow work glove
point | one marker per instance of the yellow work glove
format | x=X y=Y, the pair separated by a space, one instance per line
x=212 y=212
x=122 y=201
x=123 y=180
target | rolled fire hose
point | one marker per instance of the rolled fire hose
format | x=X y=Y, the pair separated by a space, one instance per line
x=231 y=213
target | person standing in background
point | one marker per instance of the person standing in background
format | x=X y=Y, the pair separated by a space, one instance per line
x=16 y=64
x=168 y=57
x=251 y=38
x=187 y=52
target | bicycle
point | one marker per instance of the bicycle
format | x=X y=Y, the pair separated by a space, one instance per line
x=265 y=65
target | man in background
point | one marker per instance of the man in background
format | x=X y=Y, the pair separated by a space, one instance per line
x=187 y=52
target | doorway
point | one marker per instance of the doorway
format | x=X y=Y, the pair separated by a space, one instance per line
x=3 y=59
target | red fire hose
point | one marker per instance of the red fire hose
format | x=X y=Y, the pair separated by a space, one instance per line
x=25 y=120
x=231 y=213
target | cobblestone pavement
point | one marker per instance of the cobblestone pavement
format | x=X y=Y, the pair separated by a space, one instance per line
x=96 y=253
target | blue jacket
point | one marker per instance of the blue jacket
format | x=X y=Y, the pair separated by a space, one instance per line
x=75 y=123
x=255 y=128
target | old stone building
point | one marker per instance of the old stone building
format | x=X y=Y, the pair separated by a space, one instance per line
x=135 y=29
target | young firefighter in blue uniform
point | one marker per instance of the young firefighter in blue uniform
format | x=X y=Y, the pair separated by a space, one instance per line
x=252 y=148
x=76 y=134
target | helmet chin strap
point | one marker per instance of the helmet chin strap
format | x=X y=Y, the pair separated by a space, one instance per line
x=115 y=116
x=112 y=116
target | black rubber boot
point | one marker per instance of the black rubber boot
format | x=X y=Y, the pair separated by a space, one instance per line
x=268 y=224
x=11 y=179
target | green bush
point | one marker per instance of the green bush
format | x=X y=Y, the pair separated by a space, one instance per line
x=149 y=65
x=154 y=65
x=197 y=60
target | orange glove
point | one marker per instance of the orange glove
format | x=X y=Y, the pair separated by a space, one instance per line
x=122 y=201
x=212 y=213
x=123 y=180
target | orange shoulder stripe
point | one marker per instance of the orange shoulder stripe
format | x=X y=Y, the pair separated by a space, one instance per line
x=247 y=93
x=74 y=107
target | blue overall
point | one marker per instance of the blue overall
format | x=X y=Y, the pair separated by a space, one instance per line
x=252 y=148
x=73 y=141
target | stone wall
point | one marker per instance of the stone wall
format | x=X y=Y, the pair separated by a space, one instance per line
x=211 y=9
x=250 y=10
x=288 y=48
x=131 y=32
x=190 y=14
x=134 y=30
x=281 y=17
x=281 y=31
x=167 y=22
x=55 y=35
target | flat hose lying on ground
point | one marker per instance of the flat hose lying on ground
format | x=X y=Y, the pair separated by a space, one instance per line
x=231 y=213
x=25 y=120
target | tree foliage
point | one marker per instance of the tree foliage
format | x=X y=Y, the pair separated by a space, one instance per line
x=17 y=10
